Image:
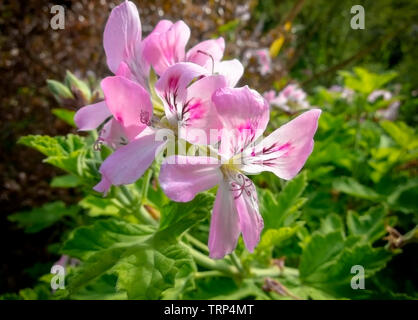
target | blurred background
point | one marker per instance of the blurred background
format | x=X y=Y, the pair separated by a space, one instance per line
x=310 y=41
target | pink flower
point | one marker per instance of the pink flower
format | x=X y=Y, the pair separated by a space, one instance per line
x=123 y=47
x=166 y=45
x=244 y=116
x=264 y=60
x=187 y=104
x=290 y=99
x=386 y=95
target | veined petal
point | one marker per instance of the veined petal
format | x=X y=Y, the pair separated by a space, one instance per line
x=232 y=70
x=121 y=34
x=182 y=177
x=129 y=103
x=203 y=53
x=163 y=49
x=198 y=111
x=172 y=87
x=285 y=151
x=246 y=202
x=244 y=114
x=92 y=116
x=224 y=225
x=128 y=163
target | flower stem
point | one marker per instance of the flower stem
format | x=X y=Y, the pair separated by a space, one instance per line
x=237 y=262
x=145 y=186
x=206 y=262
x=207 y=274
x=196 y=243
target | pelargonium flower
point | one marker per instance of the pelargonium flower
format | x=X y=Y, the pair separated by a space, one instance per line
x=186 y=91
x=290 y=99
x=166 y=46
x=129 y=56
x=244 y=115
x=123 y=45
x=386 y=95
x=346 y=93
x=264 y=60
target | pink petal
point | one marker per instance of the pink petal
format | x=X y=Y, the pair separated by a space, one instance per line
x=172 y=87
x=92 y=116
x=182 y=177
x=232 y=70
x=128 y=163
x=129 y=103
x=285 y=151
x=163 y=49
x=199 y=111
x=250 y=221
x=124 y=71
x=244 y=114
x=202 y=52
x=121 y=35
x=103 y=186
x=113 y=134
x=162 y=26
x=224 y=225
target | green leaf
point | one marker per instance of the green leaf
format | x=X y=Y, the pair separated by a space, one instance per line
x=354 y=188
x=146 y=265
x=319 y=251
x=40 y=218
x=177 y=217
x=65 y=115
x=272 y=238
x=401 y=133
x=65 y=181
x=71 y=153
x=105 y=234
x=370 y=226
x=336 y=277
x=104 y=288
x=99 y=206
x=331 y=223
x=281 y=211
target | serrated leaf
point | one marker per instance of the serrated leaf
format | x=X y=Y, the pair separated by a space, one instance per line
x=354 y=188
x=331 y=223
x=321 y=250
x=177 y=217
x=146 y=264
x=281 y=211
x=99 y=206
x=370 y=226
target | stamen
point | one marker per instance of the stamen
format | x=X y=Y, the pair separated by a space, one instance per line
x=209 y=55
x=97 y=146
x=242 y=184
x=145 y=118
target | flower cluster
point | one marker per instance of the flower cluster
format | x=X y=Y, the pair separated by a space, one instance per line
x=161 y=94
